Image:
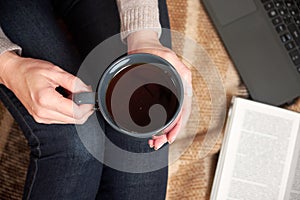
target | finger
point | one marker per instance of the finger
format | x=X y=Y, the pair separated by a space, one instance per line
x=182 y=69
x=188 y=89
x=52 y=100
x=85 y=118
x=171 y=136
x=83 y=110
x=151 y=143
x=53 y=117
x=176 y=62
x=160 y=141
x=182 y=122
x=69 y=81
x=154 y=137
x=187 y=108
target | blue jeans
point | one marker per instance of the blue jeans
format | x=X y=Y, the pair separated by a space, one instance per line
x=60 y=165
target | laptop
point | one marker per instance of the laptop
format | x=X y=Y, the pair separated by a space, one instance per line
x=262 y=38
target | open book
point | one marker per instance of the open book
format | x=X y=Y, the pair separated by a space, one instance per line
x=260 y=155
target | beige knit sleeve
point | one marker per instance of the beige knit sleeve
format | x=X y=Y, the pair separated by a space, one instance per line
x=138 y=15
x=7 y=45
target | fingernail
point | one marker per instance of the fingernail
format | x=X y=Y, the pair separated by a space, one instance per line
x=189 y=91
x=151 y=145
x=156 y=148
x=87 y=88
x=171 y=141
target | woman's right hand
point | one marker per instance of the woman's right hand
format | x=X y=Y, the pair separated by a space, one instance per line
x=34 y=82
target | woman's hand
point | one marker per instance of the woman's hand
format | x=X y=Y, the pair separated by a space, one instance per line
x=34 y=82
x=146 y=41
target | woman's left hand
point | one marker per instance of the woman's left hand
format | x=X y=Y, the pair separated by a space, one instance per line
x=146 y=41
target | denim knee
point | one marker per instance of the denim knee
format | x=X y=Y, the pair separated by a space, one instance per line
x=49 y=141
x=61 y=167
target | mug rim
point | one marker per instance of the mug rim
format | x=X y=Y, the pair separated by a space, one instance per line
x=116 y=67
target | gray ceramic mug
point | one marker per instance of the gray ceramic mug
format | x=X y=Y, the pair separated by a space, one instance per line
x=140 y=95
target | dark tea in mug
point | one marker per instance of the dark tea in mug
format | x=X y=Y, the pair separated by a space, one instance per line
x=140 y=95
x=142 y=98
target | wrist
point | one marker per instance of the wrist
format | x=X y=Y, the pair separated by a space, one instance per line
x=6 y=59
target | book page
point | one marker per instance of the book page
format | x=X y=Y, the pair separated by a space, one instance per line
x=258 y=152
x=293 y=189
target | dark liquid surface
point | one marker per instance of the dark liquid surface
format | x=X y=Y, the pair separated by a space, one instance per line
x=142 y=98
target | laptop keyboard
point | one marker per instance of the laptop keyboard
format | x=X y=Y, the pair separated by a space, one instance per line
x=285 y=16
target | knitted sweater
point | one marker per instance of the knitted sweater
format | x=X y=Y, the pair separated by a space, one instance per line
x=134 y=14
